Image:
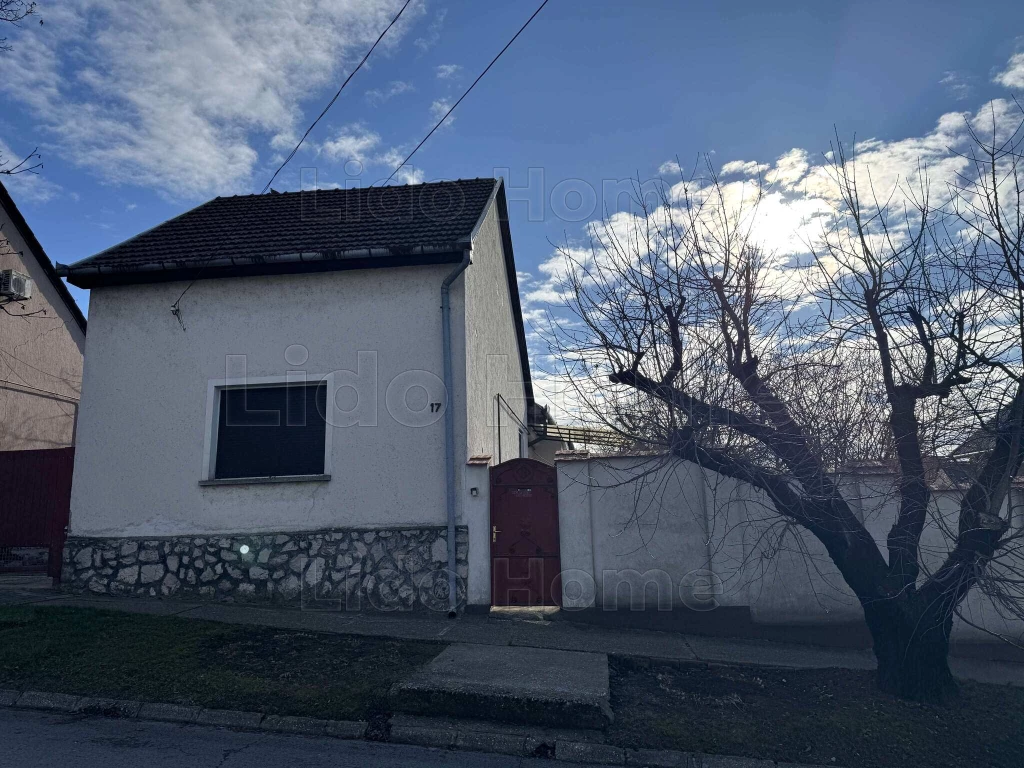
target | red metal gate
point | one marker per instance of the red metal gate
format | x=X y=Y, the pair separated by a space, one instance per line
x=525 y=564
x=35 y=500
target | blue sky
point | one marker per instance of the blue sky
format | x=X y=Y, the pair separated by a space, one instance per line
x=144 y=109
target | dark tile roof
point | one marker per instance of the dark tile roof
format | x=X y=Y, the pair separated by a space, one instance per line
x=254 y=228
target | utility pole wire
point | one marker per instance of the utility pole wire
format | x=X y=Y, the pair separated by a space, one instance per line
x=176 y=306
x=466 y=93
x=331 y=102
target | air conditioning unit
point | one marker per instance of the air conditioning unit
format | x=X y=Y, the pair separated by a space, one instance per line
x=15 y=285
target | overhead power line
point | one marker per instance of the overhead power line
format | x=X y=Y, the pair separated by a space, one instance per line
x=466 y=93
x=176 y=306
x=342 y=88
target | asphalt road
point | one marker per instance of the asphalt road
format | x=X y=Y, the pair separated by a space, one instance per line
x=40 y=740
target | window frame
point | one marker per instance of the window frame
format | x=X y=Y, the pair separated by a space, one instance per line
x=214 y=388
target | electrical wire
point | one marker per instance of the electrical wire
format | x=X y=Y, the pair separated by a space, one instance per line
x=331 y=102
x=466 y=93
x=176 y=306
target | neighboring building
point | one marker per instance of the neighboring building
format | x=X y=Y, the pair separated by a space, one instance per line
x=42 y=336
x=286 y=439
x=41 y=343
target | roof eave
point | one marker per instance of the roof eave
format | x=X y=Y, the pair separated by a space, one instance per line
x=95 y=276
x=93 y=271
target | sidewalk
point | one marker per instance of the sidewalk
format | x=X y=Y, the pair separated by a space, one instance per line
x=35 y=590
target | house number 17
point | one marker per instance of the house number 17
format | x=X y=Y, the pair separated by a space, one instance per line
x=435 y=407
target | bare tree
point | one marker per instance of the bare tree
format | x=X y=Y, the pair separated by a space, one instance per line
x=14 y=12
x=31 y=163
x=899 y=340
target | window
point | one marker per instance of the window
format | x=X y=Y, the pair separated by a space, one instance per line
x=271 y=431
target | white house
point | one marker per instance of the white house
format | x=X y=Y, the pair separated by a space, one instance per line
x=301 y=425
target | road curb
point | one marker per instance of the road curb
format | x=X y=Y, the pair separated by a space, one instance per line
x=184 y=715
x=584 y=752
x=108 y=707
x=169 y=713
x=496 y=741
x=51 y=702
x=230 y=718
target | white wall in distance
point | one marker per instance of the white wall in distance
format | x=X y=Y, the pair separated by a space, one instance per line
x=642 y=531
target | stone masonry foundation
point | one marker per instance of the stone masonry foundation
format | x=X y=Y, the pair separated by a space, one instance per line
x=396 y=569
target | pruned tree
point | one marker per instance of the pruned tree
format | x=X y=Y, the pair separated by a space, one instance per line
x=899 y=340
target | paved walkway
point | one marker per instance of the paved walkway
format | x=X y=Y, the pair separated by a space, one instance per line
x=35 y=589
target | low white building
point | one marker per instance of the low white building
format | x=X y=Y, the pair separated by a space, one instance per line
x=299 y=427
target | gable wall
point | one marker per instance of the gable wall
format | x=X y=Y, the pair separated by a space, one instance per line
x=40 y=357
x=492 y=349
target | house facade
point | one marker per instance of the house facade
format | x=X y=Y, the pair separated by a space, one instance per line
x=42 y=338
x=299 y=430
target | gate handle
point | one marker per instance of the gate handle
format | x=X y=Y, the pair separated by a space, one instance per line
x=494 y=533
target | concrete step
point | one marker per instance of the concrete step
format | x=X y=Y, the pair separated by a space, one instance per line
x=530 y=686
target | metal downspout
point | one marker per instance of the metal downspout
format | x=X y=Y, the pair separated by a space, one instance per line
x=449 y=429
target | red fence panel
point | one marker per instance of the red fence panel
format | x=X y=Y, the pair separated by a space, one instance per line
x=35 y=500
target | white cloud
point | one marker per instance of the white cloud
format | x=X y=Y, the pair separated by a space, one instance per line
x=357 y=142
x=790 y=168
x=799 y=196
x=957 y=85
x=176 y=95
x=1013 y=75
x=377 y=96
x=670 y=168
x=392 y=157
x=432 y=35
x=749 y=168
x=448 y=71
x=439 y=108
x=353 y=142
x=409 y=174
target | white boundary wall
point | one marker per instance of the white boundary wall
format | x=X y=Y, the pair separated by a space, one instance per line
x=637 y=533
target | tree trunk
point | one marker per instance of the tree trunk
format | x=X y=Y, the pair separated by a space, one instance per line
x=912 y=650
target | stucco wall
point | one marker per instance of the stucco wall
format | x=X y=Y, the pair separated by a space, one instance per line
x=545 y=450
x=477 y=519
x=638 y=533
x=492 y=350
x=40 y=358
x=144 y=417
